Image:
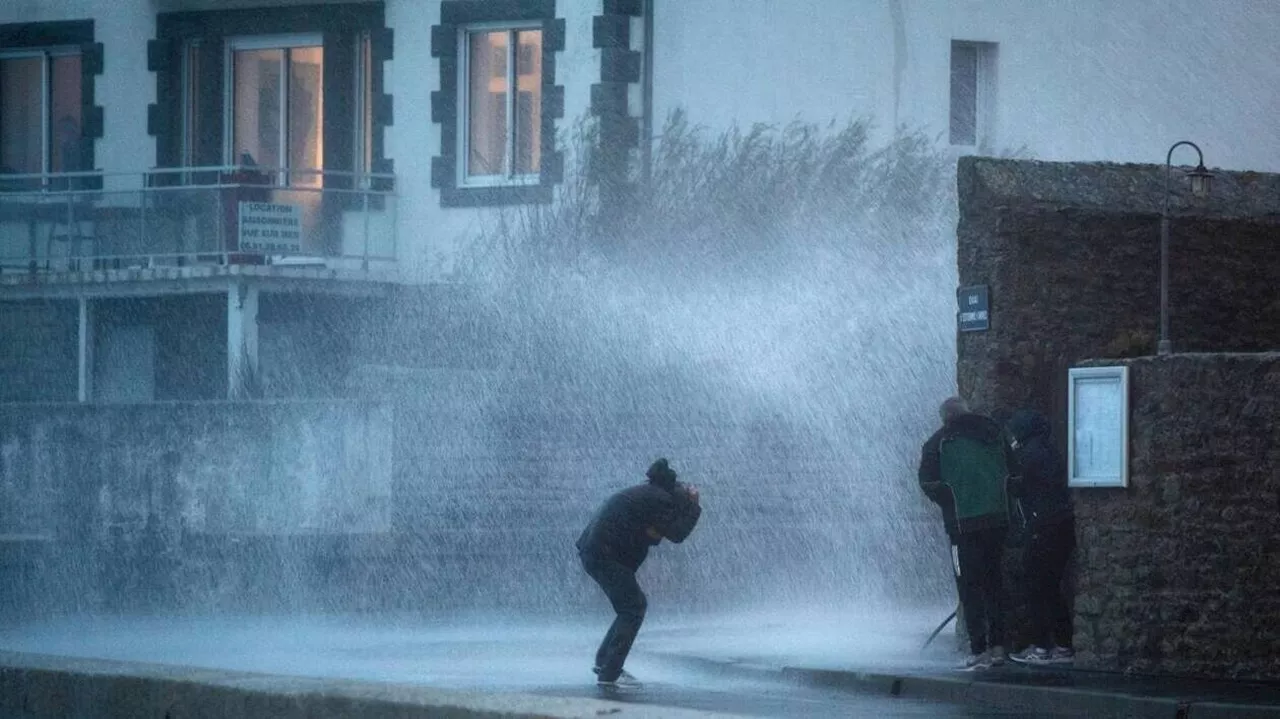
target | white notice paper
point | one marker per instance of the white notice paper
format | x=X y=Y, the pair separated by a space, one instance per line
x=270 y=227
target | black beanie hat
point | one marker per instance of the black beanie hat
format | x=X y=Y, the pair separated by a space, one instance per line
x=661 y=474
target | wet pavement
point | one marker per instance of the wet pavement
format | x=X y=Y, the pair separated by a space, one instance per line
x=754 y=665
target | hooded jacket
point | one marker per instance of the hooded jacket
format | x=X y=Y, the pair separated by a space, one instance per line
x=964 y=469
x=619 y=529
x=1041 y=484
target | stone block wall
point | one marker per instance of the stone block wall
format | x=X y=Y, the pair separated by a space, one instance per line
x=1070 y=253
x=1180 y=571
x=495 y=477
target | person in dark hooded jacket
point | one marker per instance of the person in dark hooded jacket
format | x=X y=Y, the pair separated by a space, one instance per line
x=616 y=542
x=964 y=469
x=1041 y=487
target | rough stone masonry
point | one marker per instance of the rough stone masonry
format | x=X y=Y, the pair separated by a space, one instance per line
x=1177 y=573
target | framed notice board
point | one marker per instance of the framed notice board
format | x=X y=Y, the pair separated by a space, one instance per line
x=1098 y=427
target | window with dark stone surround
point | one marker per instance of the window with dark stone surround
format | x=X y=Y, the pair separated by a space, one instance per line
x=491 y=161
x=67 y=144
x=194 y=44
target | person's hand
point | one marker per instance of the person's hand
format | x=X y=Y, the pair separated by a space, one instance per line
x=654 y=534
x=692 y=492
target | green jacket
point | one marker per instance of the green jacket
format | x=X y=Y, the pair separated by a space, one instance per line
x=964 y=469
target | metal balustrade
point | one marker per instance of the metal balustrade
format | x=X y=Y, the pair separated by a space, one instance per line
x=83 y=221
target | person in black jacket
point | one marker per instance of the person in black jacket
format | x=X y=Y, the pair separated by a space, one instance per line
x=1041 y=487
x=615 y=544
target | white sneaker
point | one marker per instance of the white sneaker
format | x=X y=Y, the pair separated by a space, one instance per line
x=992 y=657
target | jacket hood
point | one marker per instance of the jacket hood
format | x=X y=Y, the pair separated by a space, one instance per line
x=975 y=426
x=1027 y=423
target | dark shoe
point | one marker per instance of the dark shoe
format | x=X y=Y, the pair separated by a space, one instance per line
x=1062 y=655
x=1031 y=655
x=624 y=681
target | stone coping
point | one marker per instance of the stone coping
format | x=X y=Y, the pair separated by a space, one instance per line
x=992 y=182
x=1256 y=357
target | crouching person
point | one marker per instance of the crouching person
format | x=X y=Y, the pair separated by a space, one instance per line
x=615 y=544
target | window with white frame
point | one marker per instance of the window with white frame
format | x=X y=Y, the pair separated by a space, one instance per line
x=275 y=106
x=972 y=92
x=500 y=111
x=40 y=111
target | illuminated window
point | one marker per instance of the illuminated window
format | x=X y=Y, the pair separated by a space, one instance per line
x=500 y=117
x=276 y=106
x=40 y=107
x=295 y=91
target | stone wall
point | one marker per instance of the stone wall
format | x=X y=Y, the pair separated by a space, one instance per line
x=1070 y=253
x=1178 y=572
x=497 y=474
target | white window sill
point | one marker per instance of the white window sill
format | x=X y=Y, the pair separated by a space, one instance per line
x=489 y=182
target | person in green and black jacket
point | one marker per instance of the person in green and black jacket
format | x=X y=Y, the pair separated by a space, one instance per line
x=965 y=469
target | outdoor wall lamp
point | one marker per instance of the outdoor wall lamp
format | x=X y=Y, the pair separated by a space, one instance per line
x=1201 y=185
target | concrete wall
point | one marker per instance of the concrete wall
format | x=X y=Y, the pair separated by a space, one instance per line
x=38 y=349
x=1177 y=573
x=183 y=504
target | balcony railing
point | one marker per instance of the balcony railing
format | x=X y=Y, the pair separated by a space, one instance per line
x=81 y=221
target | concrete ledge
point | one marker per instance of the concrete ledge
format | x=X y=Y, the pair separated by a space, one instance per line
x=989 y=692
x=1016 y=697
x=1010 y=696
x=34 y=686
x=1227 y=710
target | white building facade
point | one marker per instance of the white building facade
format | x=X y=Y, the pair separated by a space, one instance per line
x=187 y=185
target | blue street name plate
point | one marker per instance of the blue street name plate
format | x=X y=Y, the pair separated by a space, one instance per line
x=975 y=309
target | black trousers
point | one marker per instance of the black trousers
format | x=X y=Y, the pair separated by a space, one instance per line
x=1048 y=552
x=619 y=584
x=980 y=580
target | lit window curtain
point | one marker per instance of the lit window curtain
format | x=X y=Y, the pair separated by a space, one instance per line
x=528 y=139
x=487 y=106
x=306 y=108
